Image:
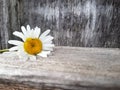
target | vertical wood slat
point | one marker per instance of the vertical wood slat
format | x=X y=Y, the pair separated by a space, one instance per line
x=89 y=23
x=3 y=24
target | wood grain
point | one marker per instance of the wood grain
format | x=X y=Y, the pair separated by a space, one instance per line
x=86 y=23
x=67 y=68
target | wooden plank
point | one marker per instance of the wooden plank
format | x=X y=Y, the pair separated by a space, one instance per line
x=66 y=68
x=4 y=24
x=89 y=23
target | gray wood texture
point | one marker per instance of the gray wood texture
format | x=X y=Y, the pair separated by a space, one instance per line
x=87 y=23
x=66 y=68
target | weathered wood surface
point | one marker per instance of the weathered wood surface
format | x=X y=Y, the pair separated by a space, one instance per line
x=67 y=68
x=90 y=23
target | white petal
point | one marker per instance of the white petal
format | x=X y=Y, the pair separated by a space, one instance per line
x=28 y=27
x=37 y=32
x=49 y=45
x=19 y=34
x=31 y=34
x=44 y=53
x=23 y=30
x=32 y=58
x=48 y=48
x=23 y=56
x=13 y=48
x=47 y=39
x=47 y=42
x=45 y=33
x=15 y=42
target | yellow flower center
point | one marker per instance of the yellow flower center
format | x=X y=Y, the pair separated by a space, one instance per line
x=33 y=46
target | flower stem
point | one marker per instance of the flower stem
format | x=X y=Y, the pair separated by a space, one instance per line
x=4 y=50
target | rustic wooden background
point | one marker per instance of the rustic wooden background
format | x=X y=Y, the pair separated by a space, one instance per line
x=87 y=23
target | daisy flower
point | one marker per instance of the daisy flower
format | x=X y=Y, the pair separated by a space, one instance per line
x=33 y=43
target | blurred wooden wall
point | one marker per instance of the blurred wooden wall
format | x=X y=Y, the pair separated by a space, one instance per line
x=87 y=23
